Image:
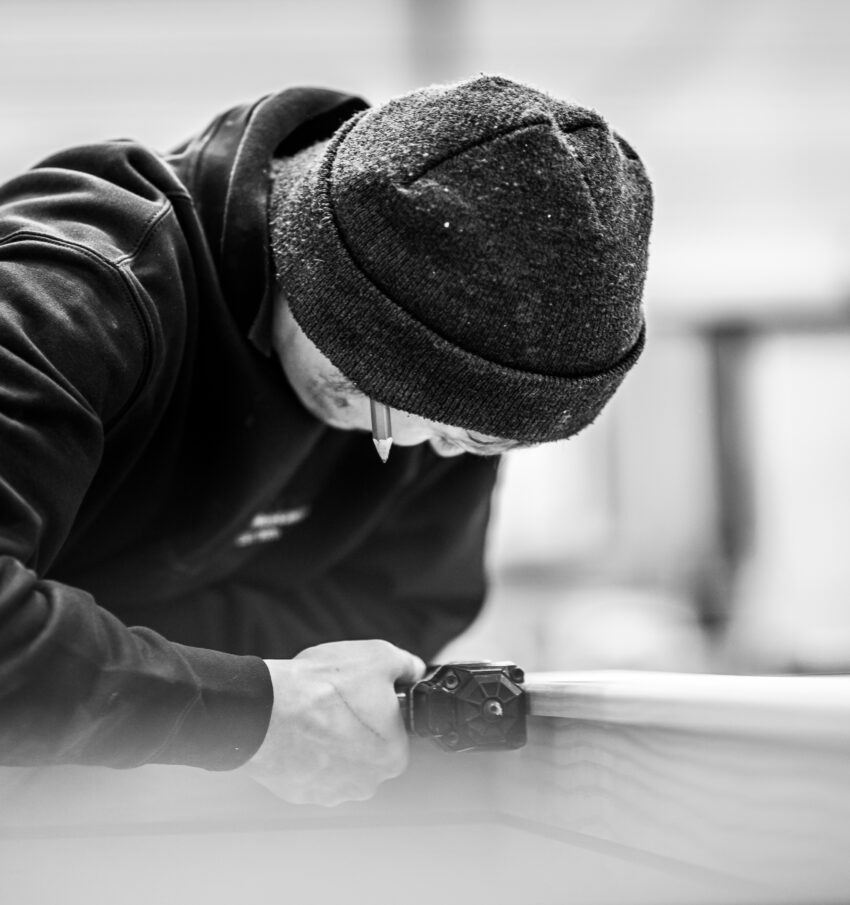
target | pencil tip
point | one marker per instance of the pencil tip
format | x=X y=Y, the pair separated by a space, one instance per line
x=383 y=447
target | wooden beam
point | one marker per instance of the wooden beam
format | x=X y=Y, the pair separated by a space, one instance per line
x=812 y=709
x=747 y=777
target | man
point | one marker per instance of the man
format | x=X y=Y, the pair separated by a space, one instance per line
x=202 y=560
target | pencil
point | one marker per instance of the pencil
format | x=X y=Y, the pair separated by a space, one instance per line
x=382 y=429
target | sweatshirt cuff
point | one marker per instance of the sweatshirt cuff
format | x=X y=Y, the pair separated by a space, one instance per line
x=228 y=719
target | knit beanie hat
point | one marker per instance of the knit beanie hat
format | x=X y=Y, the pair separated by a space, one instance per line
x=474 y=254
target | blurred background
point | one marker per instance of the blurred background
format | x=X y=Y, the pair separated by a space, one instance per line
x=703 y=522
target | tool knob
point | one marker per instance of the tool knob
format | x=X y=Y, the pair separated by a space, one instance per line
x=468 y=706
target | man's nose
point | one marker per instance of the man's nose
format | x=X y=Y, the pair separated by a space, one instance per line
x=445 y=449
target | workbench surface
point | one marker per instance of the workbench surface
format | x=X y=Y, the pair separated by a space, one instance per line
x=633 y=788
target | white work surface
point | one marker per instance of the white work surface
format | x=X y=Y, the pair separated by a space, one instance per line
x=635 y=788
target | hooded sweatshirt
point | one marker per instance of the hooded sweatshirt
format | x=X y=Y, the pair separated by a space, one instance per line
x=169 y=512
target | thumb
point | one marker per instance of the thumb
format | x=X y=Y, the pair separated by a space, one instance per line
x=408 y=667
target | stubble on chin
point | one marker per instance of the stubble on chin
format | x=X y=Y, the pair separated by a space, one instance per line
x=331 y=399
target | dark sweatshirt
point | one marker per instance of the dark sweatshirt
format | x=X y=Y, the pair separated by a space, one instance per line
x=157 y=471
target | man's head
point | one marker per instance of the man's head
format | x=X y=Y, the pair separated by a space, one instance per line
x=473 y=255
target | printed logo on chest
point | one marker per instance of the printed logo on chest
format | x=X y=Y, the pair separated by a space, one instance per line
x=268 y=526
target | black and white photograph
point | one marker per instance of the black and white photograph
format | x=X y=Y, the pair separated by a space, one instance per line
x=425 y=452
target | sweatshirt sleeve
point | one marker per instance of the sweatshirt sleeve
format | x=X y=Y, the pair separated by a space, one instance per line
x=76 y=685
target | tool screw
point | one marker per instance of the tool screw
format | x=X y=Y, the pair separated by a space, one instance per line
x=494 y=709
x=451 y=681
x=451 y=738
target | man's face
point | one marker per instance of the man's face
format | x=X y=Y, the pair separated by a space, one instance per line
x=327 y=394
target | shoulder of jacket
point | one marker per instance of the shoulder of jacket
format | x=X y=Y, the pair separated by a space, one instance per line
x=104 y=199
x=91 y=250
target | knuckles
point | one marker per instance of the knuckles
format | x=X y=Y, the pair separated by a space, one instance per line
x=332 y=797
x=394 y=762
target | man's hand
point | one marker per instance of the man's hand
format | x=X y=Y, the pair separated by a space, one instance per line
x=336 y=731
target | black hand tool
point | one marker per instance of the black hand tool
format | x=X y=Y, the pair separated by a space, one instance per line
x=468 y=706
